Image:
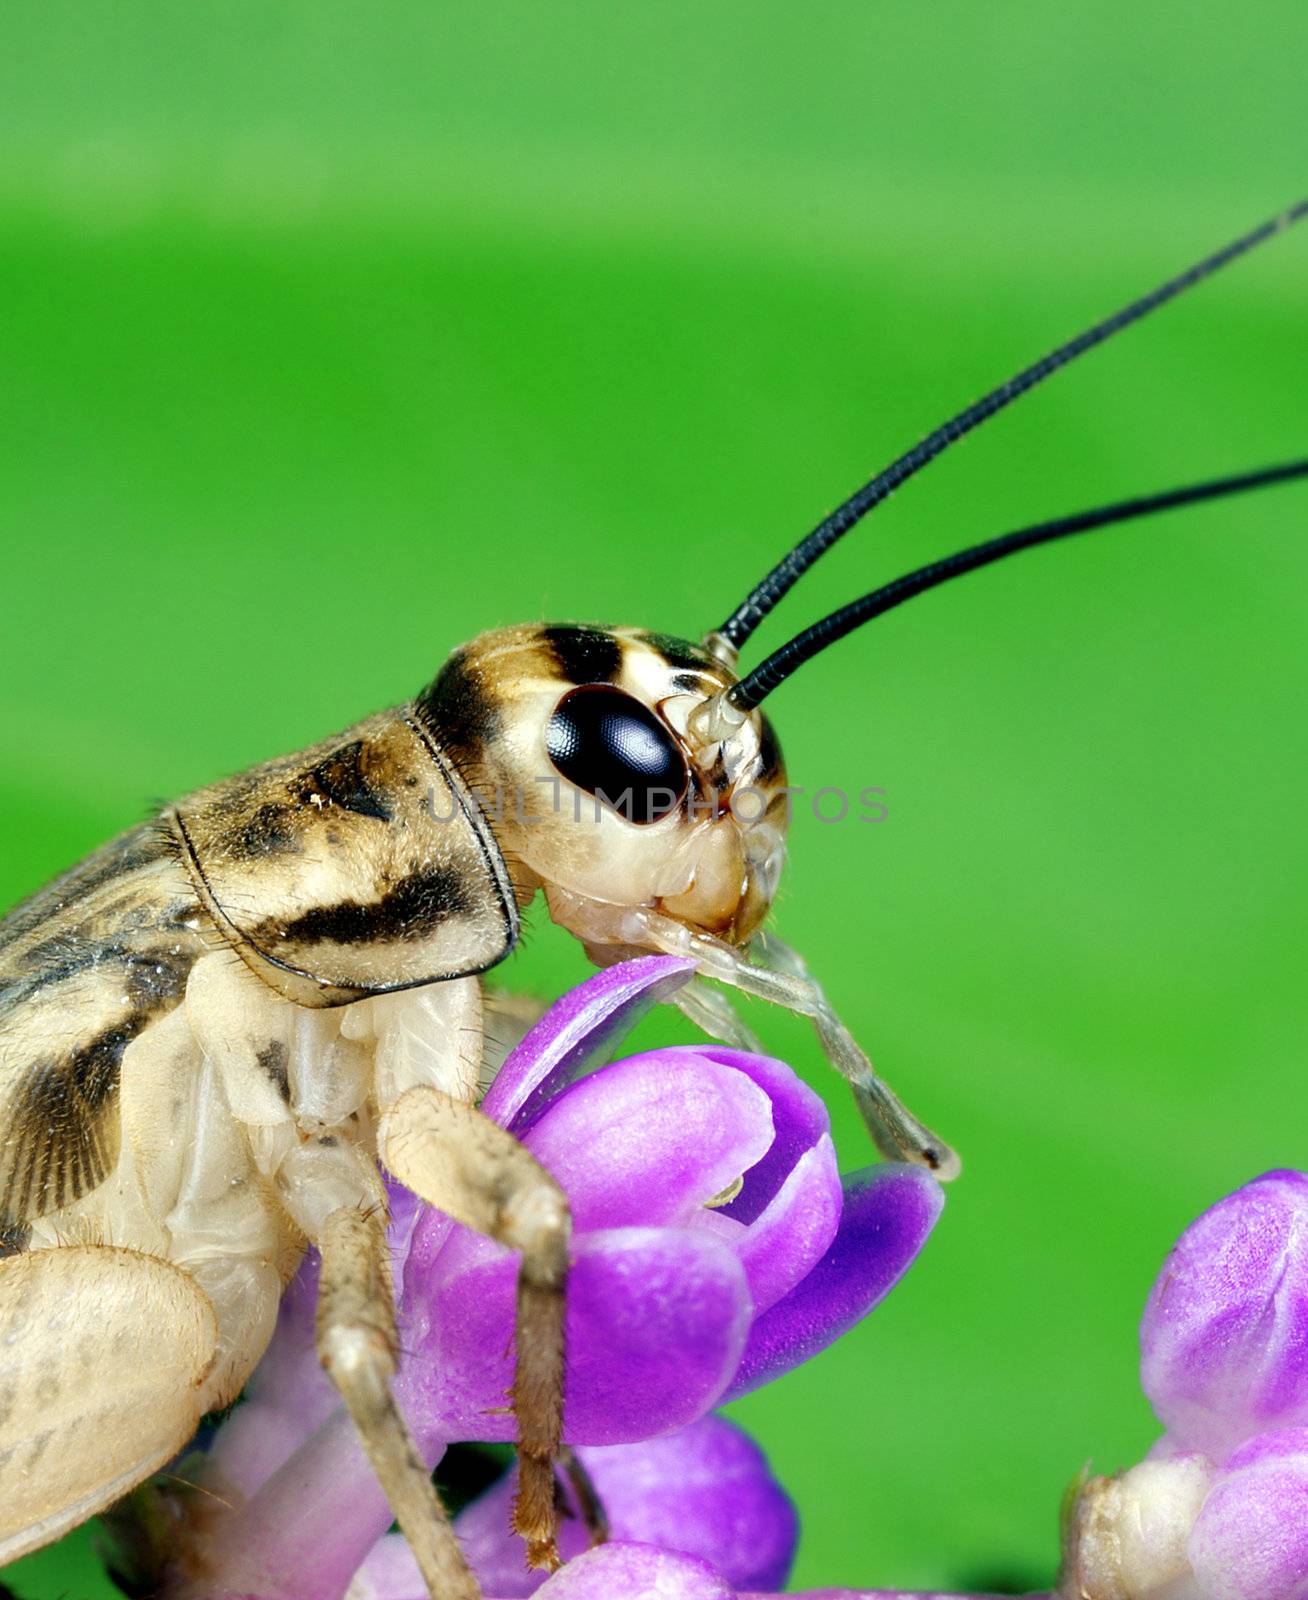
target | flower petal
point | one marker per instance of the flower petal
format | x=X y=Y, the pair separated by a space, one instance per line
x=656 y=1323
x=705 y=1491
x=616 y=1571
x=796 y=1229
x=636 y=1572
x=389 y=1572
x=799 y=1117
x=308 y=1528
x=1224 y=1338
x=577 y=1033
x=646 y=1141
x=1250 y=1541
x=889 y=1211
x=791 y=1199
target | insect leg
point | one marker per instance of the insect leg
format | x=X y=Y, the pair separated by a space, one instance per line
x=356 y=1340
x=473 y=1170
x=708 y=1008
x=896 y=1132
x=586 y=1494
x=781 y=977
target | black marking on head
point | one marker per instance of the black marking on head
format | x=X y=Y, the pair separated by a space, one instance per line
x=411 y=910
x=678 y=652
x=712 y=783
x=272 y=1058
x=689 y=682
x=456 y=710
x=583 y=655
x=340 y=780
x=264 y=833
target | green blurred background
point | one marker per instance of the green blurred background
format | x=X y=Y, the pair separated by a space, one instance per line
x=333 y=335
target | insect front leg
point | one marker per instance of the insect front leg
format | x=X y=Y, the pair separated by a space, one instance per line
x=586 y=1495
x=896 y=1132
x=469 y=1167
x=708 y=1008
x=781 y=977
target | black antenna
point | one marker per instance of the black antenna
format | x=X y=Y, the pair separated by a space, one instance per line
x=760 y=683
x=747 y=616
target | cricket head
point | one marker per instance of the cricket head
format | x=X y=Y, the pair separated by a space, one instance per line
x=588 y=748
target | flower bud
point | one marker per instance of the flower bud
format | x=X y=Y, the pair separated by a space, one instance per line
x=1224 y=1340
x=637 y=1572
x=1251 y=1539
x=1129 y=1536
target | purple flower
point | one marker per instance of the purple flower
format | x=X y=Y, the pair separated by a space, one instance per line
x=1224 y=1339
x=705 y=1491
x=626 y=1570
x=675 y=1301
x=714 y=1248
x=1219 y=1511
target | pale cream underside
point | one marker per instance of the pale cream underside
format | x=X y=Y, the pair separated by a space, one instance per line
x=149 y=1301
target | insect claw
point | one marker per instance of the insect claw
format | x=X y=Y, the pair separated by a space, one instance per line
x=535 y=1511
x=543 y=1553
x=897 y=1133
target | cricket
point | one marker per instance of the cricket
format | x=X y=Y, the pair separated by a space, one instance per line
x=219 y=1030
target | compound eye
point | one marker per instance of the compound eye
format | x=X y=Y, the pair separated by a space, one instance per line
x=612 y=746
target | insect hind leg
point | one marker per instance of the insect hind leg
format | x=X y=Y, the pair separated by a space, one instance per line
x=469 y=1167
x=357 y=1344
x=271 y=1542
